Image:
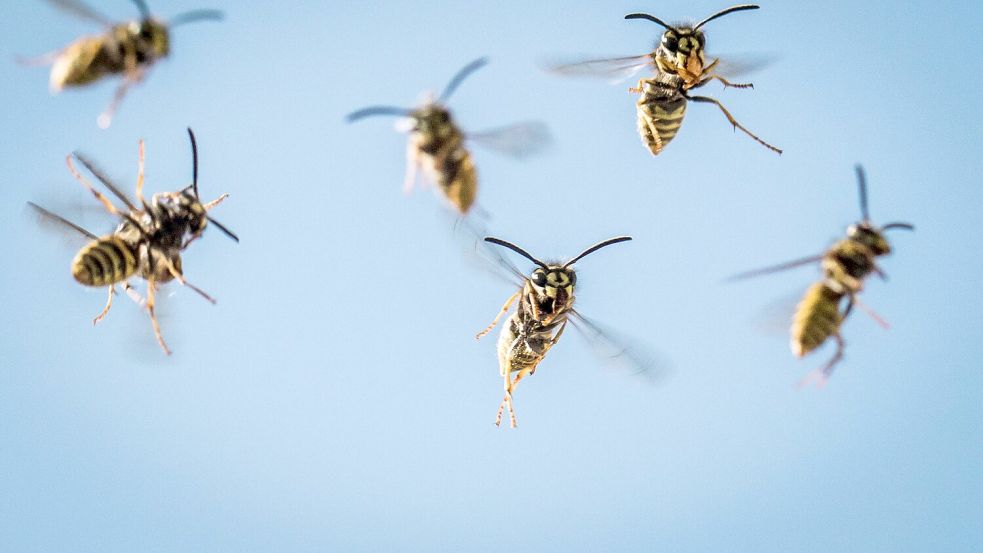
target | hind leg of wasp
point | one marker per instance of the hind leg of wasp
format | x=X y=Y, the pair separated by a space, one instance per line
x=730 y=118
x=412 y=168
x=184 y=282
x=109 y=303
x=153 y=315
x=140 y=165
x=821 y=375
x=507 y=400
x=504 y=310
x=106 y=117
x=871 y=313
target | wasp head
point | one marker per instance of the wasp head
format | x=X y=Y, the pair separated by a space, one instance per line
x=867 y=234
x=178 y=214
x=681 y=48
x=553 y=288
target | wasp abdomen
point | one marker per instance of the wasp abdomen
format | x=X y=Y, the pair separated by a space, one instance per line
x=660 y=114
x=816 y=318
x=105 y=261
x=458 y=179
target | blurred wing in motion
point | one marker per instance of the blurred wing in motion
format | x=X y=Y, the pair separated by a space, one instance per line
x=775 y=318
x=776 y=268
x=620 y=351
x=739 y=65
x=614 y=70
x=73 y=235
x=82 y=11
x=105 y=181
x=519 y=140
x=470 y=234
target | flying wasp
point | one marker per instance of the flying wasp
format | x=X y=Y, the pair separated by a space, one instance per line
x=544 y=309
x=129 y=49
x=148 y=241
x=679 y=65
x=845 y=266
x=438 y=145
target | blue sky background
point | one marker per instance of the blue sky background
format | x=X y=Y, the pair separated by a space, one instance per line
x=334 y=398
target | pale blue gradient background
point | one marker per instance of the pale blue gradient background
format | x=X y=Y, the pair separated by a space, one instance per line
x=334 y=399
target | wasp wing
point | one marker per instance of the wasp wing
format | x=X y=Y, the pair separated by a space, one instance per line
x=82 y=11
x=621 y=351
x=614 y=70
x=74 y=236
x=519 y=140
x=776 y=268
x=737 y=65
x=105 y=181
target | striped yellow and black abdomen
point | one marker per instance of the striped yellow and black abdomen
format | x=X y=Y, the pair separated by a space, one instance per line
x=105 y=261
x=817 y=317
x=458 y=178
x=660 y=114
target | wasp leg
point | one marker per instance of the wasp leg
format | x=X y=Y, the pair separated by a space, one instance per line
x=132 y=77
x=99 y=196
x=153 y=315
x=728 y=84
x=180 y=278
x=140 y=165
x=505 y=309
x=133 y=294
x=636 y=89
x=412 y=167
x=730 y=118
x=507 y=401
x=216 y=201
x=872 y=314
x=109 y=303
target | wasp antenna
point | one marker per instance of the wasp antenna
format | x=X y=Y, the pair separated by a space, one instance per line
x=457 y=79
x=224 y=229
x=862 y=185
x=194 y=161
x=516 y=249
x=596 y=247
x=906 y=226
x=376 y=110
x=142 y=7
x=722 y=13
x=651 y=18
x=196 y=15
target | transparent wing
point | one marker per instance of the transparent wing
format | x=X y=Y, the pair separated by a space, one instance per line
x=80 y=10
x=812 y=259
x=73 y=235
x=105 y=181
x=614 y=70
x=620 y=351
x=738 y=65
x=486 y=257
x=519 y=140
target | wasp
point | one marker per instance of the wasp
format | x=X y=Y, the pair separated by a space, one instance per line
x=679 y=65
x=845 y=266
x=148 y=241
x=545 y=307
x=439 y=146
x=128 y=48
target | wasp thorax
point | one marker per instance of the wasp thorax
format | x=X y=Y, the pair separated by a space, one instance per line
x=869 y=236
